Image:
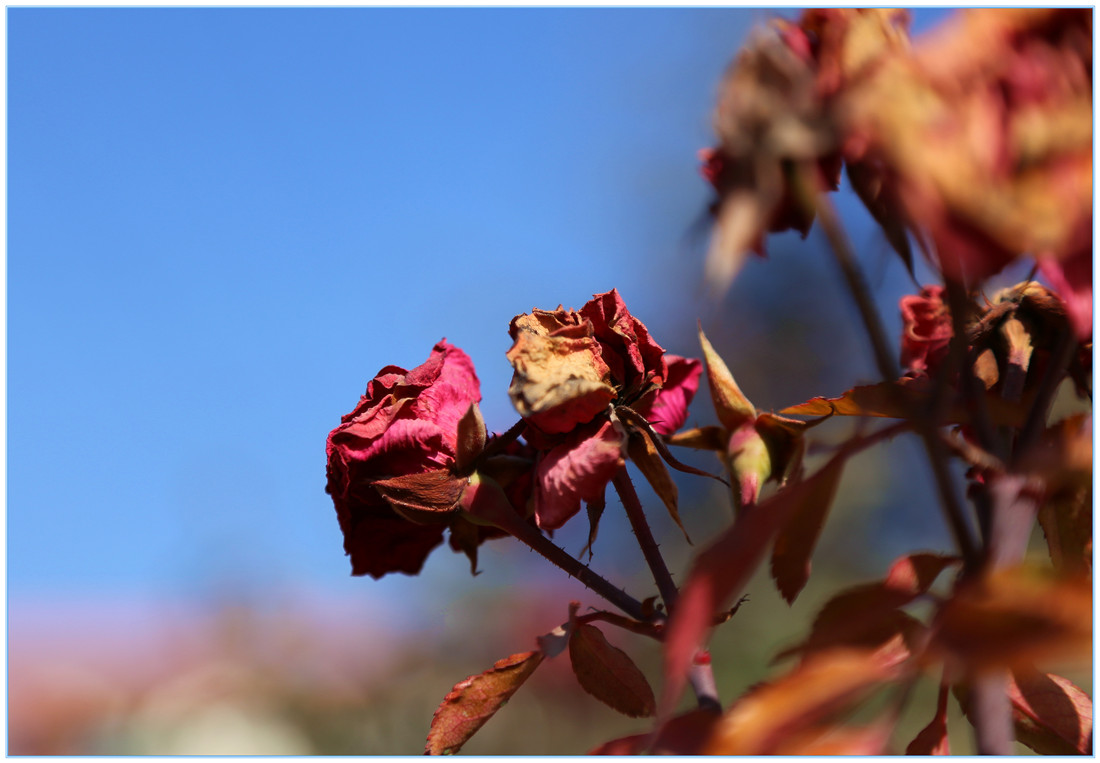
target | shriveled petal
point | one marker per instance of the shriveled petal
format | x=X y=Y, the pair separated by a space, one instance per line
x=631 y=354
x=451 y=387
x=669 y=409
x=384 y=543
x=578 y=469
x=560 y=381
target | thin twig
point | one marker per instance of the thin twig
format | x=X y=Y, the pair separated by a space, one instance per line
x=884 y=359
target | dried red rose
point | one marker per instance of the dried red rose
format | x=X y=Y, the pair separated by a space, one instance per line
x=392 y=465
x=926 y=331
x=571 y=368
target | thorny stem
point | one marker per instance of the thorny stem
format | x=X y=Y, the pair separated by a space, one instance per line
x=701 y=675
x=625 y=488
x=538 y=542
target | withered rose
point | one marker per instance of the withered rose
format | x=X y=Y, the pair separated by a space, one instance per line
x=572 y=368
x=926 y=330
x=392 y=470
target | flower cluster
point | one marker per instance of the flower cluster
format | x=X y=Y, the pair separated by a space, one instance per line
x=399 y=464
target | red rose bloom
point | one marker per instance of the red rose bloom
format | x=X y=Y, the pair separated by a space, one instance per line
x=926 y=332
x=571 y=369
x=391 y=465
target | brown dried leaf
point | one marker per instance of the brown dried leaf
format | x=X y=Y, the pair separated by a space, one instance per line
x=608 y=674
x=762 y=721
x=901 y=399
x=701 y=438
x=475 y=700
x=424 y=498
x=795 y=543
x=647 y=458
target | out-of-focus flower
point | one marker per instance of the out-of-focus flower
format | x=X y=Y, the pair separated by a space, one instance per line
x=984 y=133
x=926 y=330
x=774 y=120
x=572 y=368
x=392 y=464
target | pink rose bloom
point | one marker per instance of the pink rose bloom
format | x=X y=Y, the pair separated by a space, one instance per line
x=926 y=331
x=391 y=465
x=571 y=369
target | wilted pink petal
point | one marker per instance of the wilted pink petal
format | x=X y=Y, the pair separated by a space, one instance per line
x=406 y=425
x=926 y=331
x=577 y=469
x=669 y=408
x=631 y=354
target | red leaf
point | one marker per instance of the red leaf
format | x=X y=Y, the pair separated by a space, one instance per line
x=1053 y=717
x=796 y=541
x=865 y=616
x=721 y=571
x=932 y=739
x=608 y=674
x=475 y=700
x=683 y=735
x=914 y=574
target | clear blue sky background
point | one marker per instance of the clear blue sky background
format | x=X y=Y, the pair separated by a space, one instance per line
x=223 y=222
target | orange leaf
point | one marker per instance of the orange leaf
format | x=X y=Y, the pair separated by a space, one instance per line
x=608 y=674
x=796 y=541
x=1015 y=616
x=793 y=706
x=721 y=571
x=1053 y=717
x=837 y=740
x=475 y=700
x=901 y=399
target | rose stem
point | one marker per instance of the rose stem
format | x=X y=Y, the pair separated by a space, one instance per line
x=993 y=723
x=524 y=532
x=857 y=285
x=701 y=675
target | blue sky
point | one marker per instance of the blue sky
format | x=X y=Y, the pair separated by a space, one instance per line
x=223 y=222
